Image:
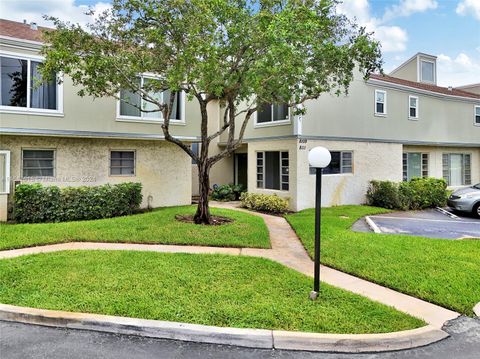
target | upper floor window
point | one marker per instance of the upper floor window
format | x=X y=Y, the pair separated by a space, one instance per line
x=38 y=163
x=380 y=102
x=427 y=71
x=22 y=86
x=270 y=113
x=133 y=105
x=412 y=107
x=415 y=165
x=476 y=119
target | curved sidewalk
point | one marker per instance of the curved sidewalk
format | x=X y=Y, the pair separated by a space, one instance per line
x=286 y=249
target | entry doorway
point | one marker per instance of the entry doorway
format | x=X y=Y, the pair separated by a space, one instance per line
x=241 y=165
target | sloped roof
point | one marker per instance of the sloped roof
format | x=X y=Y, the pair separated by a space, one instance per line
x=426 y=87
x=19 y=30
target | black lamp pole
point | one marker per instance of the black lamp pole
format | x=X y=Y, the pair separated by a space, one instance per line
x=318 y=220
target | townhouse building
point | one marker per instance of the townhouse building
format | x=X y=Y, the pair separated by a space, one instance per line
x=392 y=127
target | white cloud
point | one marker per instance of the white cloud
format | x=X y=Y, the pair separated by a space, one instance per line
x=392 y=38
x=461 y=70
x=469 y=7
x=33 y=10
x=409 y=7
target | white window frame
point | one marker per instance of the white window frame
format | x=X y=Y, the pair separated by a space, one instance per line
x=141 y=118
x=410 y=97
x=384 y=113
x=29 y=110
x=342 y=173
x=40 y=149
x=110 y=162
x=475 y=109
x=465 y=182
x=425 y=172
x=7 y=172
x=434 y=72
x=264 y=171
x=273 y=122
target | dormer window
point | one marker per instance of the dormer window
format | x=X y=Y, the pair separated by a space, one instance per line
x=427 y=71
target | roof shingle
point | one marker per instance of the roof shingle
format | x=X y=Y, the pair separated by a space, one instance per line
x=19 y=30
x=423 y=86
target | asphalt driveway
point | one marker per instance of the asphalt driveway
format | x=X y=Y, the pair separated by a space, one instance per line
x=429 y=223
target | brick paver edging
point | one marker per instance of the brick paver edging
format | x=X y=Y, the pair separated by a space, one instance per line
x=253 y=338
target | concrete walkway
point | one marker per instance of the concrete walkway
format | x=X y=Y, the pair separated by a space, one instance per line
x=286 y=249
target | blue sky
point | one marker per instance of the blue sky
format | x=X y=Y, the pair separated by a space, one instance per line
x=449 y=29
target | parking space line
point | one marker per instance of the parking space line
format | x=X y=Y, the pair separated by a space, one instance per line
x=426 y=219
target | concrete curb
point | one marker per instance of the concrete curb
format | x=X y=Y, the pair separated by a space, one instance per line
x=253 y=338
x=476 y=309
x=372 y=225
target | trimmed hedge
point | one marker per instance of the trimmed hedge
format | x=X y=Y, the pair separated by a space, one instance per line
x=264 y=202
x=34 y=203
x=416 y=194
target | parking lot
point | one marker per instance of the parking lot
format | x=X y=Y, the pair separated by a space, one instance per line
x=429 y=223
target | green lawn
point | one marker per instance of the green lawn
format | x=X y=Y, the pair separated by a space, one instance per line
x=158 y=226
x=445 y=272
x=204 y=289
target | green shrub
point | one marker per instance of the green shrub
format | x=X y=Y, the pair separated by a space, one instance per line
x=416 y=194
x=227 y=192
x=384 y=194
x=34 y=203
x=421 y=193
x=264 y=203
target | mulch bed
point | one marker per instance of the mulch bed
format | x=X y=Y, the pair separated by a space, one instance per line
x=215 y=220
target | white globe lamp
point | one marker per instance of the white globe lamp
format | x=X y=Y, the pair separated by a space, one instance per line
x=319 y=157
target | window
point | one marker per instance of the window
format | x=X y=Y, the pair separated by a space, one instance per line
x=380 y=102
x=412 y=107
x=415 y=165
x=21 y=85
x=273 y=170
x=195 y=147
x=342 y=162
x=122 y=163
x=457 y=169
x=4 y=171
x=476 y=119
x=131 y=103
x=427 y=71
x=270 y=113
x=38 y=163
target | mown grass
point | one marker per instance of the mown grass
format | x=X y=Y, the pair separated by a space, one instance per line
x=204 y=289
x=446 y=272
x=158 y=226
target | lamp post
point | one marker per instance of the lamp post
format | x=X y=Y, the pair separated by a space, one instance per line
x=319 y=158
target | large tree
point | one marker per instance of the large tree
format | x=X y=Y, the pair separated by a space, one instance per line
x=238 y=53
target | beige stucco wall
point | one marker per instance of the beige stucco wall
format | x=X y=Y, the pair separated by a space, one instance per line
x=274 y=145
x=435 y=166
x=94 y=115
x=3 y=207
x=163 y=168
x=371 y=161
x=441 y=120
x=408 y=71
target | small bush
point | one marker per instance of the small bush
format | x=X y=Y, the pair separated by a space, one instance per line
x=34 y=203
x=384 y=194
x=264 y=203
x=227 y=192
x=416 y=194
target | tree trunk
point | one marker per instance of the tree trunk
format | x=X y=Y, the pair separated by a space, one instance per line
x=202 y=216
